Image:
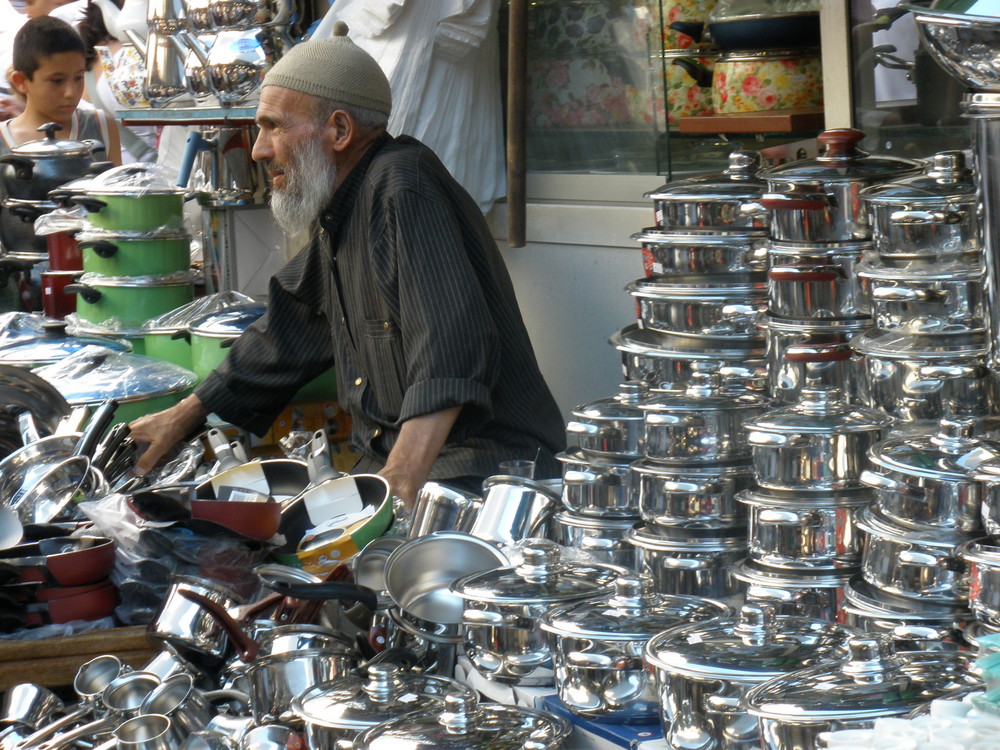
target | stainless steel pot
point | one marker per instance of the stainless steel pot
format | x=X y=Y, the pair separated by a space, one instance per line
x=927 y=481
x=688 y=566
x=514 y=509
x=815 y=280
x=921 y=565
x=276 y=679
x=818 y=350
x=817 y=200
x=693 y=495
x=716 y=200
x=719 y=304
x=665 y=361
x=703 y=670
x=500 y=624
x=982 y=558
x=595 y=486
x=804 y=531
x=819 y=443
x=699 y=251
x=805 y=593
x=939 y=299
x=597 y=648
x=185 y=625
x=441 y=508
x=610 y=427
x=928 y=219
x=704 y=424
x=794 y=709
x=926 y=376
x=603 y=539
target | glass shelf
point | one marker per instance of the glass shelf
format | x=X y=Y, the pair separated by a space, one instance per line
x=186 y=115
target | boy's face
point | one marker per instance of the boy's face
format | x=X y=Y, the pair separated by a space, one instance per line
x=55 y=89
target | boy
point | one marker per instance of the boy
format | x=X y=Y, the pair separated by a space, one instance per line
x=48 y=73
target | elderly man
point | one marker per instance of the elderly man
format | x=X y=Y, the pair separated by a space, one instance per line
x=401 y=286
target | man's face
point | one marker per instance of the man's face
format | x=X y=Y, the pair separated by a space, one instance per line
x=291 y=146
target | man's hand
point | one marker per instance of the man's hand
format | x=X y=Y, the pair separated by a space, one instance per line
x=417 y=448
x=156 y=434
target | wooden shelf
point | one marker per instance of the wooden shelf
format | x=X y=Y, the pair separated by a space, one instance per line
x=775 y=121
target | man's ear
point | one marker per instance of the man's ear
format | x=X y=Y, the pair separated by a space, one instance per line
x=19 y=81
x=340 y=130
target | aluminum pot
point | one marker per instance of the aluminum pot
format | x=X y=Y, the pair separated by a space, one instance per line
x=817 y=350
x=921 y=565
x=441 y=508
x=982 y=558
x=927 y=481
x=851 y=694
x=940 y=299
x=665 y=361
x=610 y=427
x=688 y=566
x=594 y=486
x=693 y=495
x=926 y=376
x=817 y=200
x=913 y=625
x=500 y=625
x=820 y=443
x=719 y=304
x=714 y=201
x=704 y=669
x=597 y=648
x=814 y=280
x=703 y=424
x=34 y=168
x=927 y=219
x=816 y=593
x=603 y=539
x=806 y=531
x=669 y=251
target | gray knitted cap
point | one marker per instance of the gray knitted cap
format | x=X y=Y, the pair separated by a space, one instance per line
x=336 y=69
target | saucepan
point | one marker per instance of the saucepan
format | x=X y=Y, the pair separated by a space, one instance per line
x=67 y=561
x=87 y=602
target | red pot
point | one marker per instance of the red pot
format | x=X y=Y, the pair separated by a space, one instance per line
x=64 y=253
x=56 y=302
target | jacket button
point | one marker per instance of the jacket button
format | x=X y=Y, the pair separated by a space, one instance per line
x=385 y=325
x=376 y=432
x=359 y=381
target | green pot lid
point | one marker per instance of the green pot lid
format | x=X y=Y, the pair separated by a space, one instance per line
x=135 y=180
x=227 y=323
x=634 y=612
x=182 y=317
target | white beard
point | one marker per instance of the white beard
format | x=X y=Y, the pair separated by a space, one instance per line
x=310 y=178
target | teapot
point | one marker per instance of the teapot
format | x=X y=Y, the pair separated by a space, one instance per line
x=125 y=71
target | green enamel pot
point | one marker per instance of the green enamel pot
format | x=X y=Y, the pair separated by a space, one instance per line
x=135 y=253
x=169 y=344
x=143 y=211
x=129 y=300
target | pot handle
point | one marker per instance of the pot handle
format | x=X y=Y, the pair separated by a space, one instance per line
x=949 y=372
x=23 y=167
x=686 y=563
x=919 y=559
x=184 y=333
x=927 y=217
x=351 y=592
x=26 y=213
x=773 y=595
x=693 y=29
x=571 y=476
x=583 y=428
x=103 y=248
x=589 y=659
x=701 y=75
x=898 y=294
x=776 y=440
x=804 y=273
x=774 y=517
x=486 y=618
x=657 y=418
x=834 y=353
x=689 y=487
x=93 y=205
x=90 y=295
x=722 y=704
x=881 y=481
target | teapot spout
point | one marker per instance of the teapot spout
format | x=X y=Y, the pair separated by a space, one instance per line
x=185 y=41
x=138 y=42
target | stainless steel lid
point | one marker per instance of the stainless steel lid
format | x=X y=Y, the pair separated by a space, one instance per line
x=842 y=161
x=737 y=182
x=819 y=410
x=698 y=472
x=772 y=498
x=541 y=577
x=874 y=681
x=708 y=237
x=634 y=612
x=870 y=521
x=939 y=347
x=757 y=574
x=700 y=286
x=465 y=724
x=947 y=177
x=873 y=601
x=651 y=343
x=684 y=540
x=356 y=703
x=621 y=406
x=705 y=392
x=952 y=454
x=752 y=647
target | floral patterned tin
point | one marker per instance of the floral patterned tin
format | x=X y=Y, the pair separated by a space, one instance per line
x=772 y=80
x=687 y=74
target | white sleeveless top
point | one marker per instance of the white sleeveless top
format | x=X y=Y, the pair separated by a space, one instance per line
x=86 y=124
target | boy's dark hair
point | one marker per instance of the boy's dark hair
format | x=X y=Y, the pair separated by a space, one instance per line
x=40 y=38
x=92 y=29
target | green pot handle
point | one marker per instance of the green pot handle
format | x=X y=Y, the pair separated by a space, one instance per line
x=90 y=294
x=103 y=248
x=93 y=205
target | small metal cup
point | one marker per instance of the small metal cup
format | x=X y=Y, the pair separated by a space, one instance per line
x=29 y=705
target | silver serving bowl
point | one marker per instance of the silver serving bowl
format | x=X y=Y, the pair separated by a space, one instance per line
x=967 y=46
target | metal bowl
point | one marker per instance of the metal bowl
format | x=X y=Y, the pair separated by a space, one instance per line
x=964 y=45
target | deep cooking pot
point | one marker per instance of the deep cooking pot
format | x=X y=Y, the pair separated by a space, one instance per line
x=610 y=427
x=815 y=593
x=717 y=304
x=916 y=376
x=500 y=624
x=814 y=280
x=56 y=303
x=691 y=495
x=665 y=361
x=704 y=669
x=929 y=481
x=695 y=565
x=132 y=198
x=17 y=229
x=698 y=251
x=595 y=486
x=703 y=424
x=818 y=349
x=818 y=443
x=129 y=301
x=465 y=724
x=597 y=648
x=927 y=219
x=34 y=168
x=804 y=531
x=874 y=682
x=713 y=202
x=603 y=539
x=982 y=558
x=817 y=200
x=135 y=253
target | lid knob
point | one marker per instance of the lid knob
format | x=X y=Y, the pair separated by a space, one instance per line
x=948 y=166
x=871 y=656
x=841 y=144
x=756 y=622
x=539 y=560
x=742 y=165
x=383 y=682
x=459 y=711
x=50 y=129
x=631 y=592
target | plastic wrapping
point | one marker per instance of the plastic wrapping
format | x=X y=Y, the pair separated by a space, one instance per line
x=61 y=219
x=80 y=327
x=135 y=180
x=96 y=373
x=20 y=326
x=98 y=280
x=182 y=316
